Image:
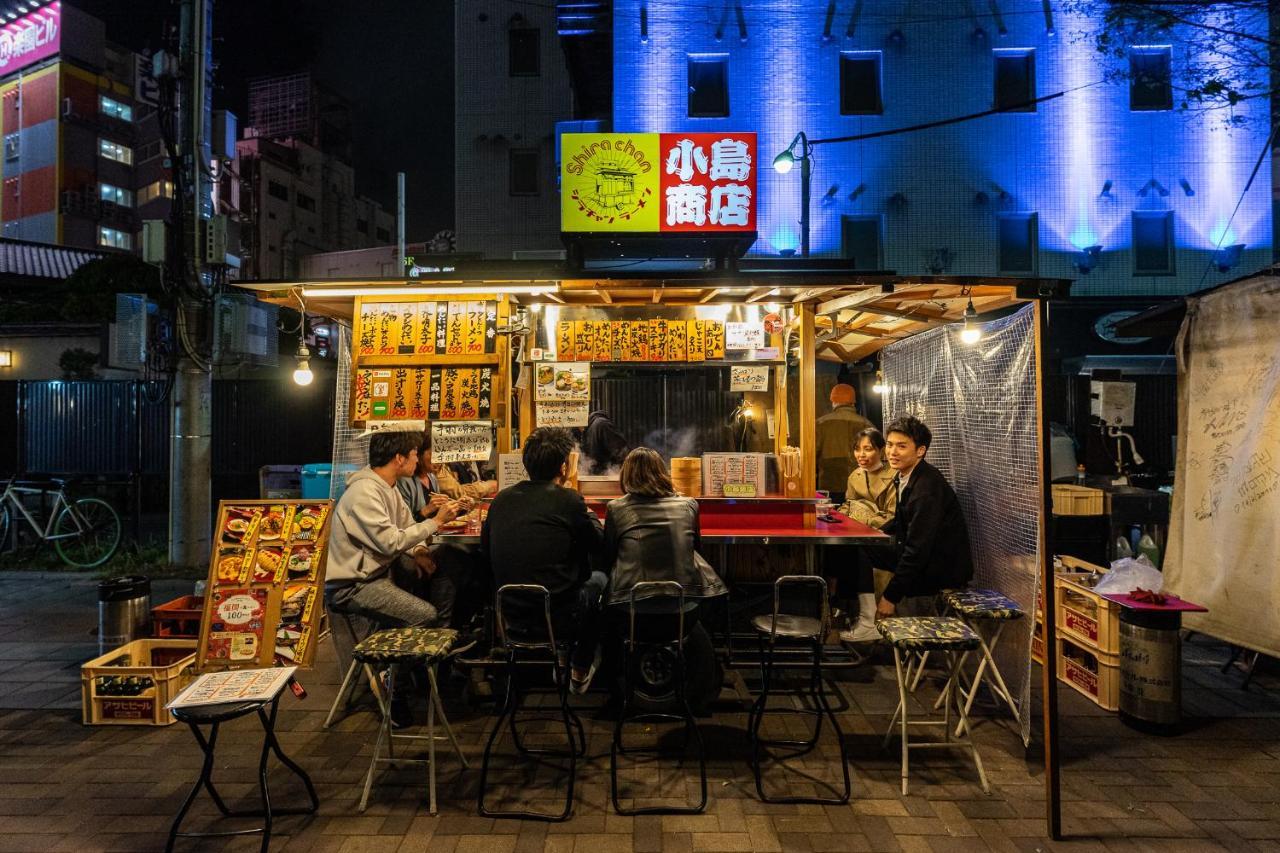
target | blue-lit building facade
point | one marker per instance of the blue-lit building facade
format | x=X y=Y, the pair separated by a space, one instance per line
x=1110 y=183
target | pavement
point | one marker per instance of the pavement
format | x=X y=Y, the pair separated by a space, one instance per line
x=68 y=787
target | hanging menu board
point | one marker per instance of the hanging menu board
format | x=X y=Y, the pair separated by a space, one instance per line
x=266 y=585
x=421 y=360
x=644 y=340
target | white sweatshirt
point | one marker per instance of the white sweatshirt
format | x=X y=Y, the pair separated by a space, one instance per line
x=372 y=526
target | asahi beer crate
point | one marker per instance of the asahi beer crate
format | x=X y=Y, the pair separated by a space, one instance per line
x=1090 y=672
x=131 y=685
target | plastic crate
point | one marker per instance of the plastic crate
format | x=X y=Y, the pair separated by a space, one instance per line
x=1077 y=500
x=178 y=619
x=1037 y=640
x=131 y=685
x=1084 y=616
x=1091 y=673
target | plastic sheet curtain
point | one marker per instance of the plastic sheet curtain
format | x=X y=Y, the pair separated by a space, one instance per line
x=350 y=451
x=1224 y=526
x=980 y=403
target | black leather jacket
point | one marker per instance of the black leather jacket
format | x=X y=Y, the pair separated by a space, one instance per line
x=655 y=539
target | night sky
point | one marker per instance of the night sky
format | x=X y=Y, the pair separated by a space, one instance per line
x=392 y=58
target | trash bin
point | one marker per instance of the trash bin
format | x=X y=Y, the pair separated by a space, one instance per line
x=1150 y=670
x=124 y=611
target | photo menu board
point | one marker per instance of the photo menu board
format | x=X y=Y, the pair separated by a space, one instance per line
x=265 y=591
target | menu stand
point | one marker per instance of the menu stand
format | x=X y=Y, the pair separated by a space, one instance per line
x=214 y=716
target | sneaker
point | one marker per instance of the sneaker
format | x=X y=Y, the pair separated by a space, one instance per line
x=860 y=633
x=579 y=685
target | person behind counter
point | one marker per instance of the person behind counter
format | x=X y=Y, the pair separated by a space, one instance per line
x=539 y=532
x=603 y=446
x=871 y=499
x=379 y=566
x=652 y=534
x=931 y=544
x=837 y=433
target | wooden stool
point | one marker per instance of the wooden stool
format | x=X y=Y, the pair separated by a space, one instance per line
x=979 y=607
x=913 y=635
x=390 y=650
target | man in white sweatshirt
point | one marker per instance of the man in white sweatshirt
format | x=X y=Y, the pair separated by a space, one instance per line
x=377 y=551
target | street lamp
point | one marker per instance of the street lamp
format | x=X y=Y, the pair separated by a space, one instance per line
x=799 y=149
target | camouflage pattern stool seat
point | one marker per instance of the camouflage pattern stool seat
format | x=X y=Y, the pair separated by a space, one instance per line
x=946 y=635
x=980 y=608
x=389 y=650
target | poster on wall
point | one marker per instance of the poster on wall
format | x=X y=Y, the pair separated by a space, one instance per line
x=511 y=470
x=461 y=442
x=563 y=381
x=743 y=336
x=265 y=585
x=563 y=413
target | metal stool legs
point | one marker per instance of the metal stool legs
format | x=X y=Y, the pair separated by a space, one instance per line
x=691 y=731
x=386 y=734
x=267 y=813
x=951 y=693
x=348 y=682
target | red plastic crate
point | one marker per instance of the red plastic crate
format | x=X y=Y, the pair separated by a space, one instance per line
x=178 y=619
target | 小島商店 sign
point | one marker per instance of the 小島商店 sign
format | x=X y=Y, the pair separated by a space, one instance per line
x=658 y=182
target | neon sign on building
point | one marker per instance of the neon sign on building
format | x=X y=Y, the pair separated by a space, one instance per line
x=27 y=40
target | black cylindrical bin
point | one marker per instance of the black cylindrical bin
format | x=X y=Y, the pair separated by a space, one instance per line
x=124 y=611
x=1150 y=669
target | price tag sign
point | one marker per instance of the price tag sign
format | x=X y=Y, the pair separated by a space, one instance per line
x=748 y=378
x=511 y=470
x=743 y=336
x=461 y=441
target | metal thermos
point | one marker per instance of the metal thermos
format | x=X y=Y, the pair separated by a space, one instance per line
x=124 y=611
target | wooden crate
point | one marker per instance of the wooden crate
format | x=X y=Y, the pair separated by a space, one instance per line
x=1077 y=500
x=163 y=668
x=178 y=619
x=1037 y=640
x=1091 y=673
x=1085 y=617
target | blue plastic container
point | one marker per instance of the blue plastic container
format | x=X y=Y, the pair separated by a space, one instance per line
x=317 y=478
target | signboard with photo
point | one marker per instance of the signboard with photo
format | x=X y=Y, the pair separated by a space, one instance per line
x=266 y=585
x=461 y=441
x=563 y=413
x=562 y=381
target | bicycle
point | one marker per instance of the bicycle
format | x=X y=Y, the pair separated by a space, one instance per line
x=84 y=532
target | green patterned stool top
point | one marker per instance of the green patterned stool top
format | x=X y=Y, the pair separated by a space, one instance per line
x=927 y=633
x=983 y=604
x=403 y=644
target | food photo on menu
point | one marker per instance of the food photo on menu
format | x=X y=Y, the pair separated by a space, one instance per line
x=236 y=625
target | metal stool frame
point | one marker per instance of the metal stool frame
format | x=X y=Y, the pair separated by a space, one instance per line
x=205 y=780
x=948 y=693
x=756 y=715
x=514 y=702
x=630 y=660
x=385 y=733
x=343 y=699
x=987 y=673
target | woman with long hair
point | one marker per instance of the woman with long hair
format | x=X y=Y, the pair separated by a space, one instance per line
x=870 y=497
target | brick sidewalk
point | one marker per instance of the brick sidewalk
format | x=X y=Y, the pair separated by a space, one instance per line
x=67 y=787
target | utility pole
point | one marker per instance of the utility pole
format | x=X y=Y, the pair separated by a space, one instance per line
x=190 y=499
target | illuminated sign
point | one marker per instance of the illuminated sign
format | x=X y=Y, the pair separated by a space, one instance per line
x=658 y=182
x=31 y=38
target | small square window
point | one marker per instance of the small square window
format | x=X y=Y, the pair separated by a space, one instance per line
x=1150 y=81
x=860 y=83
x=1153 y=242
x=277 y=190
x=12 y=146
x=306 y=202
x=524 y=48
x=708 y=86
x=523 y=171
x=1015 y=75
x=860 y=241
x=1018 y=239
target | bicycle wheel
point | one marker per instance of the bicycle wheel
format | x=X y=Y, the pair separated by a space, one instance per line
x=6 y=522
x=92 y=533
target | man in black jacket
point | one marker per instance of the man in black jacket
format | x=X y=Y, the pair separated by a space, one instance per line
x=931 y=543
x=539 y=532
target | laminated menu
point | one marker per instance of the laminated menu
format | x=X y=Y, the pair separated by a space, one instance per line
x=266 y=585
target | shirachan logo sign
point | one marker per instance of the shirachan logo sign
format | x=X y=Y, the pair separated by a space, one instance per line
x=657 y=182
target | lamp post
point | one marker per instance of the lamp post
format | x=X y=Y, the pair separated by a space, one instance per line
x=782 y=165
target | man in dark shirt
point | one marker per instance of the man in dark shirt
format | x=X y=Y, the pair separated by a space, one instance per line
x=931 y=543
x=539 y=532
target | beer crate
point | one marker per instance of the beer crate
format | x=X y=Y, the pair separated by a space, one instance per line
x=130 y=686
x=1090 y=672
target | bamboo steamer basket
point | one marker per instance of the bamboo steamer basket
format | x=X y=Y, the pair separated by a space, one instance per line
x=686 y=475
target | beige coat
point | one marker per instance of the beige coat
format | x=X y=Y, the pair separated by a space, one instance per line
x=449 y=485
x=870 y=496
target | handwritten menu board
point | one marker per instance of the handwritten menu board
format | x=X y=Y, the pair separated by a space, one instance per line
x=748 y=377
x=563 y=413
x=511 y=470
x=640 y=340
x=426 y=328
x=266 y=585
x=721 y=469
x=461 y=442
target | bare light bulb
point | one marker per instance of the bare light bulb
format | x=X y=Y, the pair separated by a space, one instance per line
x=879 y=387
x=970 y=334
x=302 y=375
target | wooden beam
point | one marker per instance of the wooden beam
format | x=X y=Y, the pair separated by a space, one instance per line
x=761 y=293
x=808 y=405
x=929 y=319
x=865 y=297
x=709 y=294
x=815 y=293
x=603 y=294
